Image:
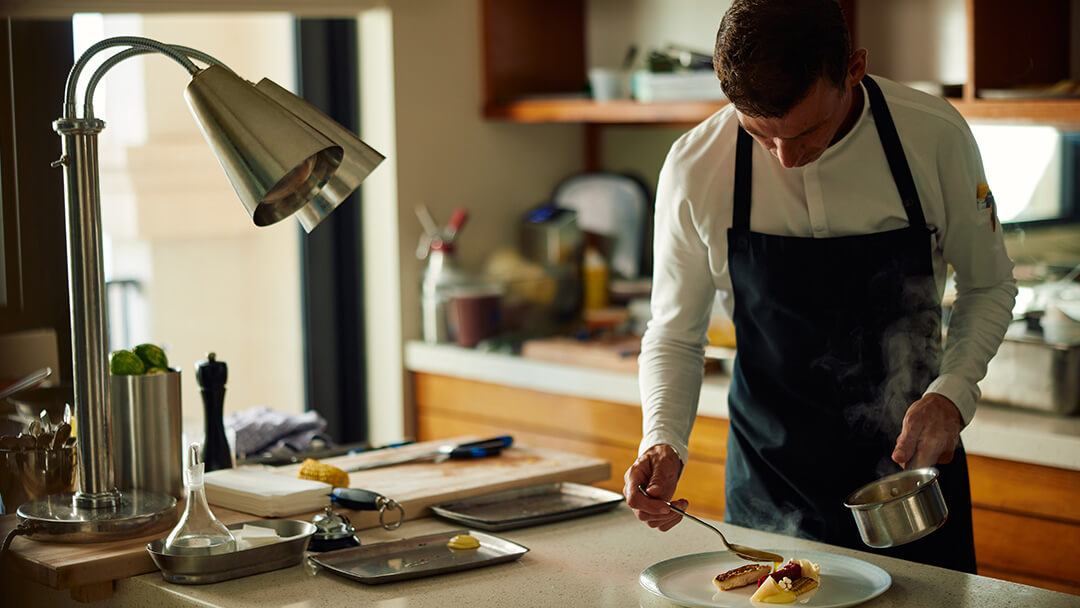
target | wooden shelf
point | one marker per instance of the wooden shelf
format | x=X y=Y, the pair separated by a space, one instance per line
x=609 y=112
x=1063 y=112
x=579 y=110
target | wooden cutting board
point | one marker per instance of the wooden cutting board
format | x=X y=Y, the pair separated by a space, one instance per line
x=616 y=355
x=416 y=486
x=89 y=569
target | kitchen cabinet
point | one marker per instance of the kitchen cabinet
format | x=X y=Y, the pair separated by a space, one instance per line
x=1026 y=516
x=534 y=65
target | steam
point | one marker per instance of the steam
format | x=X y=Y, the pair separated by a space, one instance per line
x=911 y=353
x=785 y=518
x=911 y=357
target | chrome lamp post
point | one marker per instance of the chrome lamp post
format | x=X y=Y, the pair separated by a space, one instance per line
x=282 y=156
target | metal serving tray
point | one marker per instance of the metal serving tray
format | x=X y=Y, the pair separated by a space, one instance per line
x=199 y=570
x=416 y=557
x=529 y=506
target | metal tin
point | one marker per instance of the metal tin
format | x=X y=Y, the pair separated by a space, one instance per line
x=199 y=570
x=529 y=506
x=1030 y=373
x=899 y=508
x=29 y=474
x=146 y=416
x=416 y=557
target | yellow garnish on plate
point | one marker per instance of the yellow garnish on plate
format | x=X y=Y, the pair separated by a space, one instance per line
x=771 y=592
x=463 y=542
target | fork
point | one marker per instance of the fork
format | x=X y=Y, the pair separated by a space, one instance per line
x=747 y=553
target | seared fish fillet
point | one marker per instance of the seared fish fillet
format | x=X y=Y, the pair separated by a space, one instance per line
x=741 y=576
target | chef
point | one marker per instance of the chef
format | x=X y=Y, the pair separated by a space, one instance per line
x=823 y=206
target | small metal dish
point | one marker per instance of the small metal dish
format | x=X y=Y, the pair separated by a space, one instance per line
x=417 y=557
x=899 y=508
x=200 y=570
x=529 y=506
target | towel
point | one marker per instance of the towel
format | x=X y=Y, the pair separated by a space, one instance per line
x=261 y=428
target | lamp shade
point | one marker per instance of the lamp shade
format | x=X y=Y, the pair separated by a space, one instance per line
x=359 y=159
x=275 y=162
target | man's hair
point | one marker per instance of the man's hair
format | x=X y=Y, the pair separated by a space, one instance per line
x=769 y=53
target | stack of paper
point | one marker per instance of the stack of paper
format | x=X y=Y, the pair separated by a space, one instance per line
x=263 y=492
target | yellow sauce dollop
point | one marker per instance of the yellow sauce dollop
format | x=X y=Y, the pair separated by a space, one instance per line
x=463 y=541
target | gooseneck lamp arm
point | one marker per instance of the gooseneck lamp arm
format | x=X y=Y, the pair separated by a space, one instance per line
x=281 y=155
x=108 y=64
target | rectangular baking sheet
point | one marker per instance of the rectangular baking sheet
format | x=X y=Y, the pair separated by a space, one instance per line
x=417 y=557
x=528 y=506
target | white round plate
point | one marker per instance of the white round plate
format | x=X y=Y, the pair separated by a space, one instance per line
x=688 y=580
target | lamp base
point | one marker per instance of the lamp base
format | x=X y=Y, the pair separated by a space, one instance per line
x=55 y=518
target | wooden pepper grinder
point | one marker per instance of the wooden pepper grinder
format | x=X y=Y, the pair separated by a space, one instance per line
x=212 y=375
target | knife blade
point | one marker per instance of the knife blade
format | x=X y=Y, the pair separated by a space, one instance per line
x=461 y=451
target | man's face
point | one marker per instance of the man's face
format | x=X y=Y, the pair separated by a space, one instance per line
x=801 y=136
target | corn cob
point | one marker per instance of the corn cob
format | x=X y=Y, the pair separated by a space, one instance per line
x=318 y=471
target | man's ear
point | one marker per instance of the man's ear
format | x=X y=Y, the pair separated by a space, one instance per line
x=856 y=68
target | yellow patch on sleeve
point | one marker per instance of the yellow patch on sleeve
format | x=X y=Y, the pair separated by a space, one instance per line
x=982 y=191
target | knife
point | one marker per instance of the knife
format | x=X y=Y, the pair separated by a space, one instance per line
x=461 y=451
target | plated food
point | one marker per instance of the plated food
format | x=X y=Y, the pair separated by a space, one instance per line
x=782 y=585
x=741 y=576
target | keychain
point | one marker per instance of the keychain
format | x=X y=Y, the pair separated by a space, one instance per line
x=366 y=500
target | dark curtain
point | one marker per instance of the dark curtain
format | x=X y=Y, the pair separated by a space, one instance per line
x=332 y=266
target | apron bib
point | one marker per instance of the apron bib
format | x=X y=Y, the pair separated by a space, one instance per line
x=836 y=338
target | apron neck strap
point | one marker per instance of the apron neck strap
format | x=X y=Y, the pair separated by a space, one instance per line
x=894 y=153
x=890 y=142
x=744 y=147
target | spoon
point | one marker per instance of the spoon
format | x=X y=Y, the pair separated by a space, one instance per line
x=25 y=442
x=752 y=555
x=63 y=431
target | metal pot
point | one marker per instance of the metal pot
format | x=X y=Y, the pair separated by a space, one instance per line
x=899 y=508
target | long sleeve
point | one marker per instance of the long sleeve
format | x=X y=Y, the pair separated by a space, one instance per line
x=973 y=245
x=672 y=349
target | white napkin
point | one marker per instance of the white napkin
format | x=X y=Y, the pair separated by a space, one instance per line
x=263 y=492
x=254 y=536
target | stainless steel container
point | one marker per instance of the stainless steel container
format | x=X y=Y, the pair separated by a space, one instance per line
x=288 y=550
x=35 y=473
x=146 y=421
x=899 y=508
x=1030 y=373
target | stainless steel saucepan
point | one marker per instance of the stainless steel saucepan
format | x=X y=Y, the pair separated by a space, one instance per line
x=899 y=508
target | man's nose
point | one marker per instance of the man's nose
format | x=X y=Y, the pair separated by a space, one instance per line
x=787 y=152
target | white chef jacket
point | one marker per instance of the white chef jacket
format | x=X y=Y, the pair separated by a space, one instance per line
x=848 y=190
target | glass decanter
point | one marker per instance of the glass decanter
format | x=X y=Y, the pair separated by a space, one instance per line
x=199 y=532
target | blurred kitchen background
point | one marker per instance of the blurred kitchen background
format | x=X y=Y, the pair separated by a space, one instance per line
x=553 y=219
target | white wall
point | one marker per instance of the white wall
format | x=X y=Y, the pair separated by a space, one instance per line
x=446 y=156
x=914 y=40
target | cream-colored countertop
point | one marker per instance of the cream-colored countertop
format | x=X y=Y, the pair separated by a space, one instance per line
x=996 y=431
x=588 y=562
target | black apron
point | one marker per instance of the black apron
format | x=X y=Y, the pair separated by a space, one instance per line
x=837 y=337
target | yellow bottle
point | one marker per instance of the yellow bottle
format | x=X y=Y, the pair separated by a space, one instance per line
x=596 y=280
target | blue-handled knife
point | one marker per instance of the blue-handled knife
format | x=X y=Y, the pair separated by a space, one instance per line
x=461 y=451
